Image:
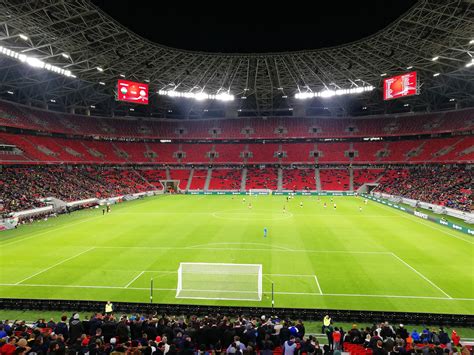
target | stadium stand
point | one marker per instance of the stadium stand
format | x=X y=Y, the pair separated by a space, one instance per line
x=283 y=127
x=445 y=186
x=334 y=179
x=299 y=179
x=262 y=178
x=225 y=179
x=148 y=334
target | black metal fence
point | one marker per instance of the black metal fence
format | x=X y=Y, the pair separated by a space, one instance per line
x=435 y=319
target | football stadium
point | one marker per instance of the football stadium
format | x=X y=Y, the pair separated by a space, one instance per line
x=236 y=197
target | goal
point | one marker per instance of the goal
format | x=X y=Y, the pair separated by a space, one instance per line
x=217 y=281
x=260 y=192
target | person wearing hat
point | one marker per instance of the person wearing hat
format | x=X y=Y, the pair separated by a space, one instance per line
x=76 y=328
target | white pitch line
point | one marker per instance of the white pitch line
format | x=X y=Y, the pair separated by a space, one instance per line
x=317 y=283
x=429 y=224
x=136 y=277
x=47 y=231
x=277 y=293
x=420 y=274
x=253 y=249
x=59 y=263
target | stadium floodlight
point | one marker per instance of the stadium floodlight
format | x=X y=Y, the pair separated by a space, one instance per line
x=146 y=80
x=216 y=281
x=434 y=59
x=436 y=74
x=100 y=69
x=410 y=67
x=470 y=64
x=471 y=41
x=330 y=93
x=200 y=96
x=406 y=105
x=10 y=92
x=65 y=55
x=132 y=109
x=92 y=106
x=53 y=100
x=35 y=62
x=101 y=83
x=122 y=75
x=383 y=74
x=451 y=100
x=23 y=37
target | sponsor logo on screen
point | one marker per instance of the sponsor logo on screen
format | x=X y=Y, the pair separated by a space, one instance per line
x=400 y=86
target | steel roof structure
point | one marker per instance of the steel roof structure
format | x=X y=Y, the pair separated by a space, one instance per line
x=78 y=36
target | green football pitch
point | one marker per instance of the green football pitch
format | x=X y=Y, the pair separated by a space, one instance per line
x=375 y=259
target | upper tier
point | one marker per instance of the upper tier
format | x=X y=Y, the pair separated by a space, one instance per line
x=241 y=128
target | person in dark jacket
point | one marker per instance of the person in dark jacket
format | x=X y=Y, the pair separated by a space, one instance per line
x=62 y=328
x=75 y=328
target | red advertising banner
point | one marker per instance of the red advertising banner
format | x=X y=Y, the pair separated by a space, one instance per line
x=400 y=86
x=131 y=91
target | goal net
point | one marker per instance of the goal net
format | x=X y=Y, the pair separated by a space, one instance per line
x=260 y=192
x=216 y=281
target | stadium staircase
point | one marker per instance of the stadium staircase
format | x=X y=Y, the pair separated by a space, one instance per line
x=244 y=180
x=280 y=180
x=190 y=179
x=208 y=179
x=351 y=179
x=317 y=177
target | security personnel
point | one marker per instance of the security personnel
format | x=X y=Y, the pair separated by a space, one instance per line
x=109 y=307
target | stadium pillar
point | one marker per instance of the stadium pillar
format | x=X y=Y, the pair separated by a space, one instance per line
x=88 y=112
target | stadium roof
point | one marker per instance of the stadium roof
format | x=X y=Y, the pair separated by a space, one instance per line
x=76 y=35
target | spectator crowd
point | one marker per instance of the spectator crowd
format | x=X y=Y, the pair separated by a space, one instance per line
x=137 y=334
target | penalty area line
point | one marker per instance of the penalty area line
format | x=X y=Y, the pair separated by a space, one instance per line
x=134 y=279
x=317 y=283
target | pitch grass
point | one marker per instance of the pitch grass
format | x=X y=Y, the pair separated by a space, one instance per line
x=377 y=259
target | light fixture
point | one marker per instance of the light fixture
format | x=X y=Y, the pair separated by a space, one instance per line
x=35 y=62
x=436 y=74
x=23 y=37
x=147 y=80
x=410 y=67
x=290 y=109
x=471 y=41
x=406 y=105
x=470 y=64
x=244 y=97
x=53 y=100
x=383 y=74
x=100 y=69
x=330 y=93
x=200 y=96
x=170 y=110
x=434 y=59
x=10 y=92
x=65 y=55
x=132 y=109
x=451 y=100
x=122 y=75
x=284 y=96
x=280 y=88
x=101 y=83
x=92 y=106
x=206 y=110
x=364 y=108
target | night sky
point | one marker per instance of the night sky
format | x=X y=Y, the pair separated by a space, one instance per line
x=253 y=27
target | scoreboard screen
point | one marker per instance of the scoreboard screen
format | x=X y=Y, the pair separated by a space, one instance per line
x=131 y=91
x=400 y=86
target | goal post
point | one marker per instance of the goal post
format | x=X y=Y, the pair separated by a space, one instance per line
x=220 y=281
